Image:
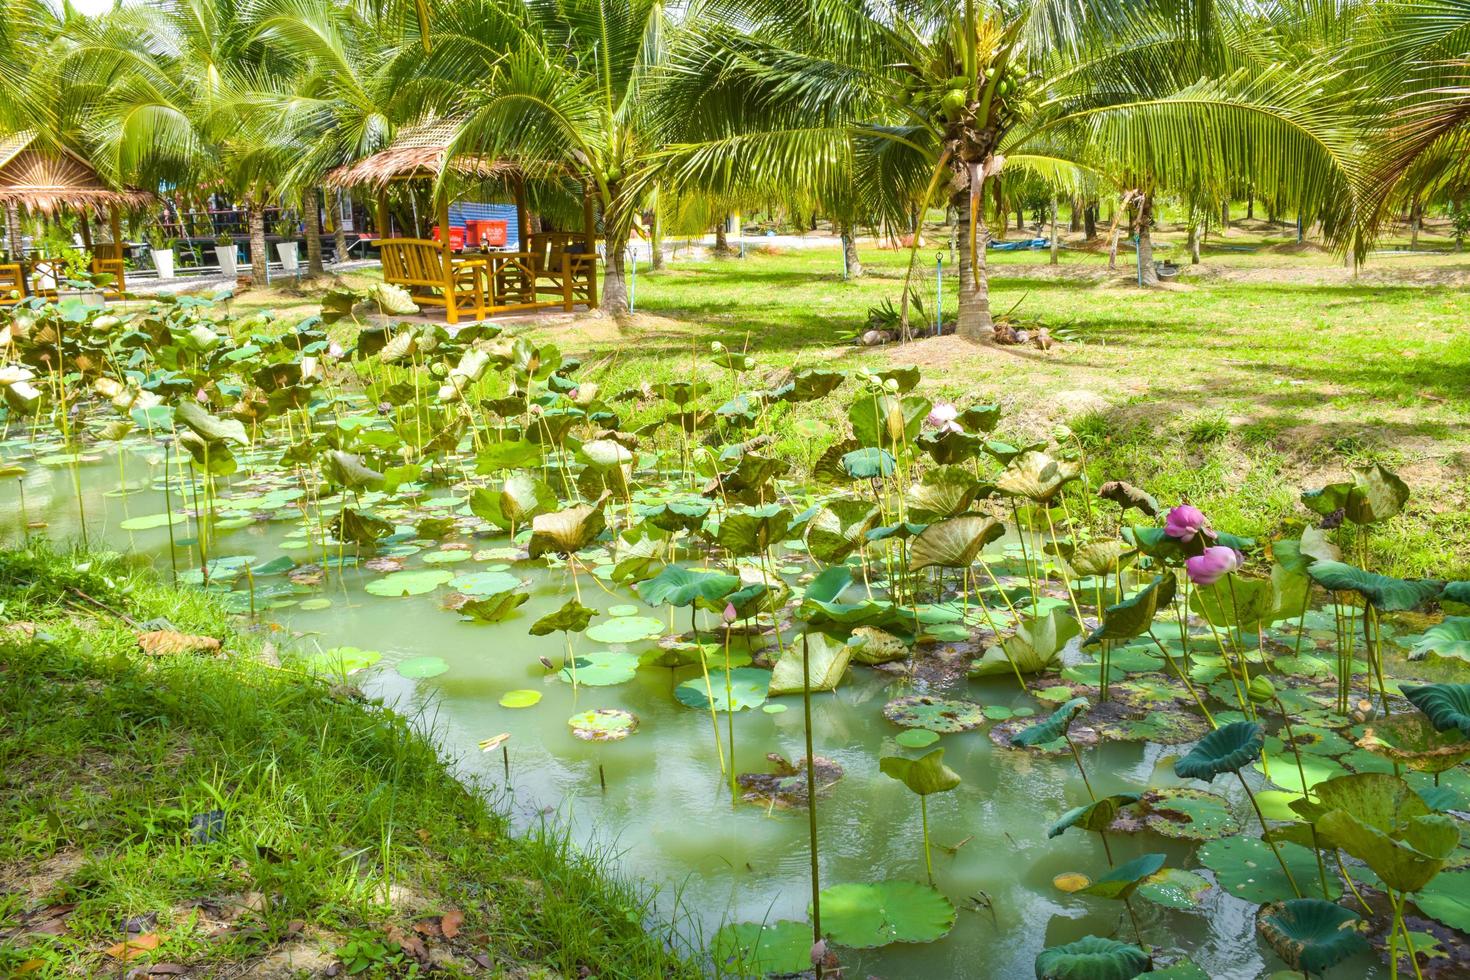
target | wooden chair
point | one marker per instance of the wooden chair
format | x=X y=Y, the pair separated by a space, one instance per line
x=12 y=283
x=566 y=267
x=434 y=278
x=107 y=257
x=46 y=276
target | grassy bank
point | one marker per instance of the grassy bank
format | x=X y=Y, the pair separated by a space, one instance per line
x=215 y=812
x=1266 y=369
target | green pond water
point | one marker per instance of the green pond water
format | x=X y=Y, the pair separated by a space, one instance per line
x=666 y=810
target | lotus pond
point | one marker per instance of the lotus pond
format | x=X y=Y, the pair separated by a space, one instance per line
x=1050 y=715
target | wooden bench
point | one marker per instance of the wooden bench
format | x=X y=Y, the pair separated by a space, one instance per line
x=566 y=266
x=12 y=283
x=433 y=277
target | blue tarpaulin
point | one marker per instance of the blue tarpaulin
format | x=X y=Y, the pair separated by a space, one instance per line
x=462 y=211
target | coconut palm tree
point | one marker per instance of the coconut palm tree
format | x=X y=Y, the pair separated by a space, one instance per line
x=1144 y=94
x=561 y=87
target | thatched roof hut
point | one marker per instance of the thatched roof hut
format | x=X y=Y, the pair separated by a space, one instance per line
x=43 y=180
x=417 y=153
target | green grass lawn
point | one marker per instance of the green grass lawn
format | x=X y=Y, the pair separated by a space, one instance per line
x=219 y=812
x=1266 y=369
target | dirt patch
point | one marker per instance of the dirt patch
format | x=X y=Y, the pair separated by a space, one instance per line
x=39 y=880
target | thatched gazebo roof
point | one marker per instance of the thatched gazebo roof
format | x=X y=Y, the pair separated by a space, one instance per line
x=45 y=180
x=417 y=153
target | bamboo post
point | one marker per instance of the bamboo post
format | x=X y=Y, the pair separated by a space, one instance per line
x=114 y=220
x=86 y=230
x=383 y=213
x=523 y=230
x=451 y=314
x=589 y=229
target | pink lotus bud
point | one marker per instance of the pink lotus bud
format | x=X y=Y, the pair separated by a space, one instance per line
x=729 y=614
x=1216 y=562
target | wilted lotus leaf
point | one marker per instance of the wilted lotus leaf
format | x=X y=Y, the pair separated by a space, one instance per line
x=1374 y=495
x=953 y=543
x=826 y=663
x=1447 y=706
x=565 y=532
x=1413 y=741
x=434 y=528
x=603 y=725
x=755 y=599
x=829 y=466
x=1096 y=816
x=214 y=457
x=786 y=786
x=1053 y=727
x=873 y=914
x=840 y=528
x=1102 y=558
x=1036 y=476
x=1188 y=814
x=809 y=385
x=471 y=368
x=1379 y=819
x=572 y=617
x=874 y=646
x=925 y=775
x=1310 y=934
x=1092 y=958
x=941 y=715
x=1126 y=495
x=390 y=299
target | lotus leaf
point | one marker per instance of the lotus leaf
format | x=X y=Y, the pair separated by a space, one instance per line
x=601 y=669
x=950 y=446
x=1134 y=616
x=749 y=687
x=1310 y=934
x=508 y=454
x=924 y=776
x=752 y=531
x=840 y=528
x=827 y=661
x=679 y=586
x=885 y=421
x=1450 y=638
x=494 y=608
x=916 y=738
x=1126 y=495
x=868 y=463
x=1122 y=881
x=947 y=491
x=519 y=699
x=1405 y=858
x=1102 y=558
x=626 y=629
x=1092 y=958
x=1031 y=649
x=1189 y=814
x=484 y=583
x=210 y=427
x=1246 y=868
x=1053 y=727
x=419 y=667
x=941 y=715
x=745 y=949
x=1096 y=816
x=1412 y=740
x=869 y=914
x=953 y=543
x=1447 y=899
x=1381 y=591
x=572 y=617
x=1374 y=495
x=520 y=498
x=1457 y=592
x=349 y=471
x=409 y=583
x=564 y=532
x=1174 y=888
x=1447 y=706
x=342 y=660
x=675 y=515
x=1036 y=476
x=1226 y=749
x=603 y=725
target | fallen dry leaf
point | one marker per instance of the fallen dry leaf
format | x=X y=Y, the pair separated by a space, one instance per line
x=162 y=642
x=428 y=927
x=132 y=948
x=451 y=922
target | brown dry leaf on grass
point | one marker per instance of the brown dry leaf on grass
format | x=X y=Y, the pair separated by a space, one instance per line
x=132 y=948
x=159 y=643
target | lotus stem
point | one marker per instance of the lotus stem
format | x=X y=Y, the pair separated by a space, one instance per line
x=1061 y=565
x=1128 y=904
x=1078 y=759
x=924 y=822
x=1266 y=834
x=1183 y=677
x=1398 y=911
x=730 y=715
x=811 y=795
x=168 y=510
x=709 y=692
x=1393 y=938
x=1107 y=848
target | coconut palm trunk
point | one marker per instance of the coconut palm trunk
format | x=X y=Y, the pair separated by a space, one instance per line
x=975 y=324
x=722 y=244
x=258 y=256
x=1148 y=273
x=14 y=236
x=614 y=276
x=850 y=253
x=312 y=217
x=1193 y=241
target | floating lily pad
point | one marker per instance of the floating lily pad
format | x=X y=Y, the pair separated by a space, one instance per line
x=1092 y=958
x=1174 y=888
x=748 y=688
x=756 y=949
x=626 y=629
x=602 y=669
x=417 y=582
x=151 y=521
x=874 y=914
x=484 y=583
x=941 y=715
x=419 y=667
x=342 y=660
x=1246 y=868
x=916 y=738
x=1071 y=881
x=1189 y=814
x=312 y=605
x=622 y=609
x=446 y=557
x=785 y=786
x=523 y=698
x=603 y=725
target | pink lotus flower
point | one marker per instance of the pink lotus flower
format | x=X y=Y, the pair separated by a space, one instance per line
x=1216 y=562
x=335 y=351
x=942 y=417
x=729 y=614
x=1184 y=522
